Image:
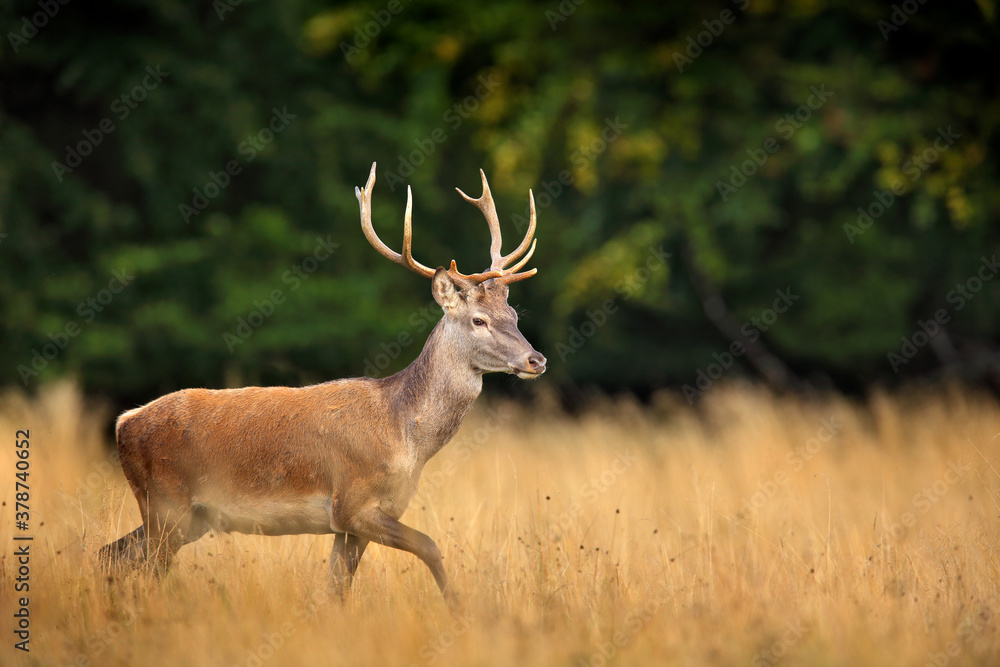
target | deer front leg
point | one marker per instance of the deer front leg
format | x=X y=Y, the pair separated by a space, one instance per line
x=344 y=560
x=375 y=525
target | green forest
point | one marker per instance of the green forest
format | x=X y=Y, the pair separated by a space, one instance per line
x=802 y=193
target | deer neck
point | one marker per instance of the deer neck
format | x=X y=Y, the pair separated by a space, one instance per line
x=433 y=394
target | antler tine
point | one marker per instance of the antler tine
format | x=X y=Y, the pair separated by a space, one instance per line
x=511 y=275
x=474 y=277
x=406 y=259
x=411 y=263
x=529 y=235
x=365 y=201
x=523 y=260
x=509 y=278
x=486 y=204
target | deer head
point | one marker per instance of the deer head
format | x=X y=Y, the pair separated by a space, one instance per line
x=479 y=324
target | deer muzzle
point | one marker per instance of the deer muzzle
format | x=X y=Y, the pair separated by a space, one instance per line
x=534 y=366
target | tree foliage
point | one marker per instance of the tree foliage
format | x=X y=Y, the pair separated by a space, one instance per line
x=689 y=163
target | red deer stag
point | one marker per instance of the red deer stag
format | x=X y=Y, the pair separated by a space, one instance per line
x=342 y=457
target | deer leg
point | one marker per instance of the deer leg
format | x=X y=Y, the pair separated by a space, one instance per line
x=344 y=560
x=163 y=543
x=169 y=521
x=126 y=550
x=169 y=525
x=375 y=525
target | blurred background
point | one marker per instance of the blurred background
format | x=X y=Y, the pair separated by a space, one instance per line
x=801 y=193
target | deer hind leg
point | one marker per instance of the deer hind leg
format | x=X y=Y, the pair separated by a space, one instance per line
x=167 y=526
x=344 y=560
x=170 y=524
x=153 y=543
x=375 y=525
x=132 y=549
x=126 y=550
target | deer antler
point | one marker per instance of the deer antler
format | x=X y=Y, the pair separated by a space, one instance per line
x=499 y=263
x=406 y=259
x=485 y=204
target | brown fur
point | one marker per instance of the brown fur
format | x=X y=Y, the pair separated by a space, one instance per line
x=341 y=457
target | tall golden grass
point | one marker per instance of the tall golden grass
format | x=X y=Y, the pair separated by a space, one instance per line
x=751 y=530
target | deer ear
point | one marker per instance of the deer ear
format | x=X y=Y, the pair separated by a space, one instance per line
x=445 y=290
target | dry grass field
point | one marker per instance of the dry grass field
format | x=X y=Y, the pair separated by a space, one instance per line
x=750 y=530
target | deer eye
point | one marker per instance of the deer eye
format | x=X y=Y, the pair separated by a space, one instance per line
x=479 y=322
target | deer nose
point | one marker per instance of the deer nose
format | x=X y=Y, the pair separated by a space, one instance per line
x=536 y=362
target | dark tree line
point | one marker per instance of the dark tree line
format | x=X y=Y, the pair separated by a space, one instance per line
x=799 y=192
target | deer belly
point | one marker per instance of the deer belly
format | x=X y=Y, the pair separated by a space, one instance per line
x=266 y=516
